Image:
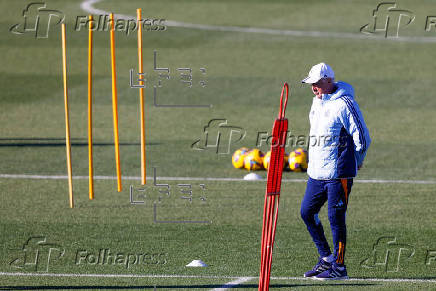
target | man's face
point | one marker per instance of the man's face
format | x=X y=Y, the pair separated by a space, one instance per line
x=323 y=86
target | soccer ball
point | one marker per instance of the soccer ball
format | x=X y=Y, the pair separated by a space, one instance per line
x=298 y=160
x=285 y=163
x=238 y=158
x=254 y=160
x=267 y=158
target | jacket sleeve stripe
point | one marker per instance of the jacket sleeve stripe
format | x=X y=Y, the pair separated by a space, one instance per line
x=358 y=123
x=357 y=120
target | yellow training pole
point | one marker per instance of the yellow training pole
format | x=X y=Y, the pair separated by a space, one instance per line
x=115 y=103
x=141 y=97
x=91 y=170
x=67 y=122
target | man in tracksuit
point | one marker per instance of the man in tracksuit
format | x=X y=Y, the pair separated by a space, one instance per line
x=338 y=143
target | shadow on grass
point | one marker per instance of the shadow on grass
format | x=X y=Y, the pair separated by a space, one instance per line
x=172 y=287
x=56 y=142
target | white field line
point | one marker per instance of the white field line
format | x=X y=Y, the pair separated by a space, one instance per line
x=20 y=274
x=233 y=283
x=137 y=178
x=87 y=6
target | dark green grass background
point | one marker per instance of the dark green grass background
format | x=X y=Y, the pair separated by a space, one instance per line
x=394 y=85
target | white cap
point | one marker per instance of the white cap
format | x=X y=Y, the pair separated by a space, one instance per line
x=322 y=70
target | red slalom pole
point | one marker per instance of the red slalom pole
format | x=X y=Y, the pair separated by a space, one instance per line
x=266 y=241
x=268 y=244
x=272 y=195
x=262 y=255
x=276 y=208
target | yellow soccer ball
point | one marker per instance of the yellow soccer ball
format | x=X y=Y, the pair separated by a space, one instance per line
x=298 y=160
x=238 y=158
x=286 y=157
x=254 y=160
x=267 y=157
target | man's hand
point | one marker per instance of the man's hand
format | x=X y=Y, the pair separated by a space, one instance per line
x=359 y=167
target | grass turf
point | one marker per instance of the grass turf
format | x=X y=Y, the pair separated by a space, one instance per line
x=393 y=83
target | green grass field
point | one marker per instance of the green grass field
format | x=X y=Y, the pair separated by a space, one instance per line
x=394 y=85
